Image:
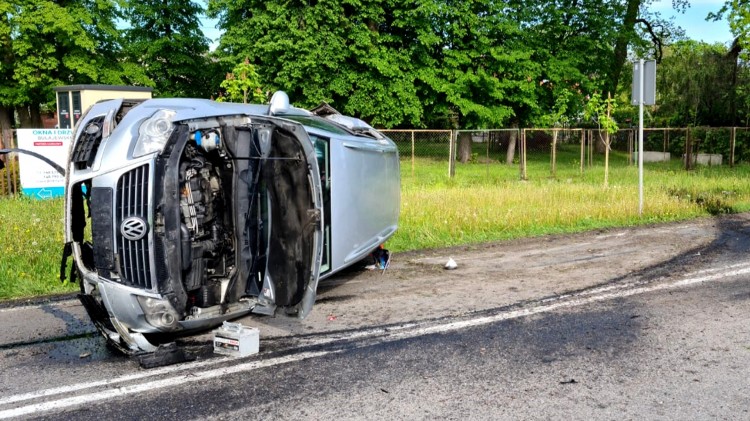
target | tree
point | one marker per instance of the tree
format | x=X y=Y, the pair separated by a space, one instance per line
x=697 y=85
x=556 y=118
x=637 y=27
x=572 y=41
x=165 y=38
x=480 y=71
x=737 y=13
x=46 y=43
x=7 y=94
x=355 y=56
x=600 y=111
x=243 y=83
x=571 y=45
x=439 y=63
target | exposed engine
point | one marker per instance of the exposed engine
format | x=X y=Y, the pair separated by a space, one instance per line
x=206 y=241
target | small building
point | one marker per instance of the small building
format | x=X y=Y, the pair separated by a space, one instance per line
x=73 y=100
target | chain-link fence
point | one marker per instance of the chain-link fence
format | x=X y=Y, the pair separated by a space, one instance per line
x=554 y=152
x=422 y=147
x=526 y=153
x=698 y=145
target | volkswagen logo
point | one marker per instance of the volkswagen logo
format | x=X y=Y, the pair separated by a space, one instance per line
x=133 y=228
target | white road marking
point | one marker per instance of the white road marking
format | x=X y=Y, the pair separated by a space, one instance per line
x=109 y=382
x=157 y=384
x=392 y=333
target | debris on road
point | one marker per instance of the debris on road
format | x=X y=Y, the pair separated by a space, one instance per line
x=451 y=264
x=236 y=340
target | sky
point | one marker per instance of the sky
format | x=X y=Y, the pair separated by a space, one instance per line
x=693 y=21
x=209 y=30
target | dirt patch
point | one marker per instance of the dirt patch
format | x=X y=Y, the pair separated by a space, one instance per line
x=417 y=287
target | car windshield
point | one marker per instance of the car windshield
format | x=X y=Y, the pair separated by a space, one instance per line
x=319 y=123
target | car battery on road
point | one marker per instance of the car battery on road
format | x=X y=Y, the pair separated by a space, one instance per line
x=236 y=340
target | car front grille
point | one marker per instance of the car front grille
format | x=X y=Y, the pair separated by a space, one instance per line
x=131 y=219
x=88 y=143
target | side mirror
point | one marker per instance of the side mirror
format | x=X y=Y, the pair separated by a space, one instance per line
x=279 y=103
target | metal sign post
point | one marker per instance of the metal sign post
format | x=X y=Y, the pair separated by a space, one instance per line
x=643 y=93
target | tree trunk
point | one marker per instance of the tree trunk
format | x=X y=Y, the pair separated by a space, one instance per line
x=36 y=116
x=464 y=147
x=621 y=45
x=5 y=127
x=734 y=56
x=600 y=146
x=24 y=117
x=6 y=118
x=511 y=152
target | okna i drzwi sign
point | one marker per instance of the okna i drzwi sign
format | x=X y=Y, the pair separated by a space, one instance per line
x=39 y=179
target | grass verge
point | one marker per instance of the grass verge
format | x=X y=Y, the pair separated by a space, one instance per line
x=489 y=202
x=31 y=241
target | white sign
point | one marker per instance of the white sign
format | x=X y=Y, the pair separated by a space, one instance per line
x=649 y=83
x=38 y=178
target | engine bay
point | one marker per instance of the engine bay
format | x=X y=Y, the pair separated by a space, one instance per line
x=206 y=243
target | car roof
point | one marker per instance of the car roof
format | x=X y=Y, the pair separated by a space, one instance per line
x=197 y=108
x=194 y=108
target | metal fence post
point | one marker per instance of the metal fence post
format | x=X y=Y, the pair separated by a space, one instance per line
x=583 y=146
x=523 y=155
x=412 y=153
x=630 y=146
x=486 y=139
x=688 y=150
x=553 y=156
x=732 y=141
x=452 y=154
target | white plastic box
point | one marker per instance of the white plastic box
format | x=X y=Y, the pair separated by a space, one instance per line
x=236 y=340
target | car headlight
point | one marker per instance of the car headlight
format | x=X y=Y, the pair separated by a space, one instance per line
x=154 y=133
x=159 y=313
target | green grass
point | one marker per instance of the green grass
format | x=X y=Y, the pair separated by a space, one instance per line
x=31 y=241
x=486 y=201
x=489 y=201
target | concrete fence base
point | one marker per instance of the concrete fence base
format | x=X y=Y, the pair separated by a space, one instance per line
x=653 y=156
x=703 y=158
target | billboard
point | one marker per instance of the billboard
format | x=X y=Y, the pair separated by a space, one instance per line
x=39 y=179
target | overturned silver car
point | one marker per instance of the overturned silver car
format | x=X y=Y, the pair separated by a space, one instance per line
x=183 y=213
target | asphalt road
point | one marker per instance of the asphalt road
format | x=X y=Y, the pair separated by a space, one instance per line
x=646 y=323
